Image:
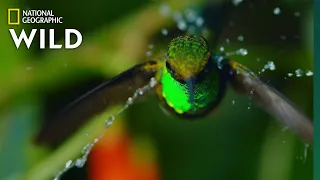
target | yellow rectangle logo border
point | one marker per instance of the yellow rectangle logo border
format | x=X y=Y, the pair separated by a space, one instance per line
x=18 y=16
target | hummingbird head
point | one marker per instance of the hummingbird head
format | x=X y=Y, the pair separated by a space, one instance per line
x=187 y=56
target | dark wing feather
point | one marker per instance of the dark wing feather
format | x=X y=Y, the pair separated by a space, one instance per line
x=116 y=90
x=244 y=81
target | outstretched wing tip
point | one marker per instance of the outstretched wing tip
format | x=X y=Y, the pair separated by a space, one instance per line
x=245 y=81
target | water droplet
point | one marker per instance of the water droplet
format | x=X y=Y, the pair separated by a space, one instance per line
x=297 y=14
x=276 y=11
x=109 y=121
x=85 y=149
x=227 y=41
x=290 y=74
x=270 y=65
x=68 y=163
x=309 y=73
x=164 y=10
x=153 y=82
x=236 y=2
x=164 y=32
x=177 y=16
x=199 y=21
x=298 y=72
x=150 y=46
x=283 y=37
x=190 y=15
x=79 y=163
x=219 y=60
x=140 y=91
x=148 y=53
x=242 y=52
x=130 y=101
x=233 y=102
x=182 y=25
x=240 y=38
x=221 y=48
x=305 y=153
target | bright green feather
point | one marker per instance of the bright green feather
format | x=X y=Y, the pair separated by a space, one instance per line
x=175 y=93
x=177 y=97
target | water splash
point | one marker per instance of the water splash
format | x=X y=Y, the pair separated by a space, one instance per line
x=283 y=37
x=297 y=14
x=236 y=2
x=305 y=152
x=188 y=20
x=276 y=11
x=241 y=51
x=79 y=162
x=249 y=106
x=151 y=46
x=300 y=73
x=268 y=66
x=199 y=21
x=240 y=38
x=309 y=73
x=149 y=53
x=182 y=25
x=164 y=32
x=165 y=10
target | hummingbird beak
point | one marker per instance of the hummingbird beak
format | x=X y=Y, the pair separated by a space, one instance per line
x=190 y=84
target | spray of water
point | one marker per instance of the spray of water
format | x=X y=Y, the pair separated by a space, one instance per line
x=79 y=162
x=188 y=20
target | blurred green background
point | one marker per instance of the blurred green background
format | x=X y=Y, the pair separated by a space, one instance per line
x=236 y=143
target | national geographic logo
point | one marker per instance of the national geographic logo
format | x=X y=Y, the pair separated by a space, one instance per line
x=32 y=16
x=17 y=16
x=14 y=14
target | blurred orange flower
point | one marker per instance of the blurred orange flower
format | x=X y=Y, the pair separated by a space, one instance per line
x=114 y=158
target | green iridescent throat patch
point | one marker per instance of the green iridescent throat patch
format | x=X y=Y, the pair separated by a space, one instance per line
x=176 y=94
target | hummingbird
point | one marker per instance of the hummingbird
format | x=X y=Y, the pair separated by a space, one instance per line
x=192 y=81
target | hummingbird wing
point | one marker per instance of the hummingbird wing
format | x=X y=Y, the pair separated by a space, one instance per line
x=246 y=82
x=116 y=90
